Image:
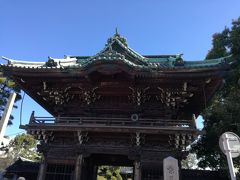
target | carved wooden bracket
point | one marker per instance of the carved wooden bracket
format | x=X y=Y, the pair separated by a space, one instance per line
x=82 y=137
x=174 y=98
x=138 y=96
x=180 y=141
x=46 y=136
x=90 y=96
x=61 y=96
x=138 y=139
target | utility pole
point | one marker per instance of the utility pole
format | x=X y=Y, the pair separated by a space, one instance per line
x=6 y=114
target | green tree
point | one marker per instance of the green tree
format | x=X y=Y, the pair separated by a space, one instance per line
x=6 y=87
x=223 y=112
x=190 y=162
x=220 y=44
x=109 y=172
x=23 y=145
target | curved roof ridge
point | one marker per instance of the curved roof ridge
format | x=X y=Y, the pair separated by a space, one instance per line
x=131 y=51
x=22 y=62
x=208 y=61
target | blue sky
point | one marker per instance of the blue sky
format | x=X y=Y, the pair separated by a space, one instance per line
x=33 y=30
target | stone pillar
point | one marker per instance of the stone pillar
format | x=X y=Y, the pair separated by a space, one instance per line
x=42 y=170
x=170 y=169
x=137 y=170
x=78 y=167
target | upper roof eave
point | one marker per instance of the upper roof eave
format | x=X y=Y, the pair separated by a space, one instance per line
x=208 y=64
x=121 y=52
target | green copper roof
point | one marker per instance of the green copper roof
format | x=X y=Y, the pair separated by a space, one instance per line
x=117 y=50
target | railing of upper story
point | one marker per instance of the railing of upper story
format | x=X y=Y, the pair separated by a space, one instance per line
x=111 y=121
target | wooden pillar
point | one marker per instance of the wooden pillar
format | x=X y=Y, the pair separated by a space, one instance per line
x=42 y=170
x=95 y=169
x=137 y=170
x=78 y=167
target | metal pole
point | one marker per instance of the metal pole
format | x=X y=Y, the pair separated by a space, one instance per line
x=229 y=158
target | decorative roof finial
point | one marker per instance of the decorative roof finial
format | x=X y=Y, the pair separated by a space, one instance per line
x=116 y=32
x=117 y=37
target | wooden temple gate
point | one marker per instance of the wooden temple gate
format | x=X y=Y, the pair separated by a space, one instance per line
x=83 y=147
x=115 y=108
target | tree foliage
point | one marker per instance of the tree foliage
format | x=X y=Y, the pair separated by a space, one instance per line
x=23 y=145
x=6 y=87
x=223 y=112
x=109 y=172
x=190 y=162
x=220 y=44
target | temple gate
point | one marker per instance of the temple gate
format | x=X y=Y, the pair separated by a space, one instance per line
x=117 y=108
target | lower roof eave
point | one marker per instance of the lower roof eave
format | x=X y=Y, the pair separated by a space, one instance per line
x=114 y=129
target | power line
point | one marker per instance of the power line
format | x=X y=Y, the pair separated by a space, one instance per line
x=21 y=109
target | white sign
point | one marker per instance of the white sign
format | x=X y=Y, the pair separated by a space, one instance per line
x=233 y=143
x=229 y=144
x=170 y=169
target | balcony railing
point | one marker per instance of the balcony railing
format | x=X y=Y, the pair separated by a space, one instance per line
x=110 y=121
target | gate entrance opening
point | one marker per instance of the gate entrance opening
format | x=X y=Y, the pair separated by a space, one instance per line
x=100 y=166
